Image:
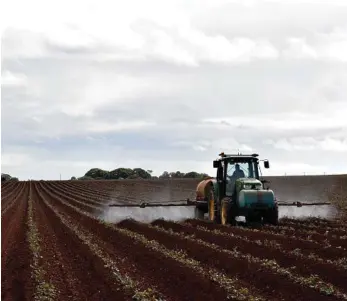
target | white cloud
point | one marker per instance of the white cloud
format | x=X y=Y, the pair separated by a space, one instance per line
x=327 y=46
x=167 y=85
x=298 y=48
x=118 y=126
x=10 y=79
x=14 y=160
x=333 y=116
x=295 y=168
x=310 y=144
x=330 y=144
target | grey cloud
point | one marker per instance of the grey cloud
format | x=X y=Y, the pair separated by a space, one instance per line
x=41 y=124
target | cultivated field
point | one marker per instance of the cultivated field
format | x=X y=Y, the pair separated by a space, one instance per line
x=54 y=247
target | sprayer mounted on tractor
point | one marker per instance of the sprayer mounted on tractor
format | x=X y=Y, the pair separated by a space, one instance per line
x=237 y=190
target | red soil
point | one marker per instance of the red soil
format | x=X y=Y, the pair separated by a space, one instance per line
x=16 y=283
x=64 y=210
x=287 y=242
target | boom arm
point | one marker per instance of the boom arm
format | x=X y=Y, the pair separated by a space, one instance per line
x=300 y=204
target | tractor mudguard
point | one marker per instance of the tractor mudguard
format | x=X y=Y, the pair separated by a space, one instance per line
x=202 y=190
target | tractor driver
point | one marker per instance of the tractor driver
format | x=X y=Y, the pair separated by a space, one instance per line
x=238 y=173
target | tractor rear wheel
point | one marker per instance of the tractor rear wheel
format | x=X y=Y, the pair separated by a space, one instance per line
x=213 y=214
x=224 y=212
x=227 y=212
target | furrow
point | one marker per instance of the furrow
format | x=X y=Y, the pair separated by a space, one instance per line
x=285 y=278
x=73 y=266
x=16 y=283
x=148 y=260
x=287 y=243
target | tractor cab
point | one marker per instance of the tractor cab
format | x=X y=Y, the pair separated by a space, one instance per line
x=236 y=191
x=237 y=172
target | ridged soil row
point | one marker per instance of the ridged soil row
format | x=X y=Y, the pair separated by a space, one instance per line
x=104 y=197
x=311 y=221
x=295 y=267
x=92 y=201
x=80 y=204
x=86 y=190
x=100 y=187
x=321 y=229
x=325 y=231
x=16 y=283
x=328 y=238
x=72 y=268
x=308 y=248
x=7 y=203
x=269 y=282
x=7 y=188
x=44 y=289
x=311 y=224
x=146 y=260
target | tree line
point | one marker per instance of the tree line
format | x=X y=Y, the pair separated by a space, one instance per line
x=6 y=177
x=136 y=173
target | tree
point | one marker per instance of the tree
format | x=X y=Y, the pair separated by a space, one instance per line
x=7 y=177
x=195 y=175
x=97 y=173
x=136 y=173
x=192 y=174
x=141 y=173
x=165 y=175
x=73 y=178
x=121 y=173
x=176 y=174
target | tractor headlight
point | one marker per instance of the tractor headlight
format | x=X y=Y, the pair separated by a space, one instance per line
x=252 y=186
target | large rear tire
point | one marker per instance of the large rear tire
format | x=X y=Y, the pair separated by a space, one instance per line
x=224 y=212
x=227 y=216
x=213 y=214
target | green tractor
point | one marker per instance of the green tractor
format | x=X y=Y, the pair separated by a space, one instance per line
x=236 y=191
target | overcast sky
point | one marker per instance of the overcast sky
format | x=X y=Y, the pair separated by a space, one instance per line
x=167 y=85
